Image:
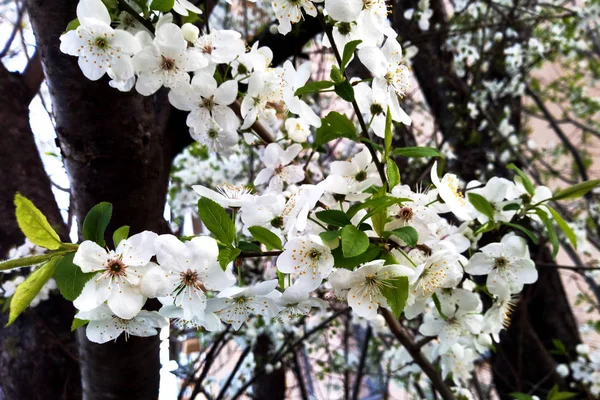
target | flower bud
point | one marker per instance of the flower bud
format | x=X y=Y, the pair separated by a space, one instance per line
x=190 y=32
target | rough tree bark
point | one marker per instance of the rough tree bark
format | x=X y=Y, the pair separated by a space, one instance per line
x=38 y=354
x=118 y=148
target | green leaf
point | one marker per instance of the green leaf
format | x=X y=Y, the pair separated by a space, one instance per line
x=488 y=226
x=389 y=133
x=74 y=24
x=556 y=394
x=551 y=231
x=120 y=234
x=560 y=346
x=96 y=221
x=408 y=234
x=328 y=236
x=512 y=207
x=336 y=75
x=393 y=173
x=191 y=18
x=354 y=241
x=216 y=220
x=395 y=292
x=576 y=191
x=349 y=49
x=375 y=202
x=526 y=231
x=162 y=5
x=70 y=279
x=334 y=126
x=313 y=87
x=345 y=91
x=562 y=224
x=26 y=261
x=349 y=263
x=34 y=224
x=249 y=246
x=482 y=205
x=30 y=287
x=78 y=323
x=520 y=396
x=281 y=279
x=227 y=255
x=524 y=179
x=266 y=237
x=334 y=217
x=416 y=152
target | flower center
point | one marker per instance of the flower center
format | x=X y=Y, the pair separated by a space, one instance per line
x=406 y=213
x=116 y=268
x=207 y=48
x=167 y=64
x=500 y=262
x=208 y=102
x=189 y=277
x=213 y=134
x=376 y=109
x=361 y=176
x=101 y=43
x=242 y=69
x=314 y=254
x=344 y=28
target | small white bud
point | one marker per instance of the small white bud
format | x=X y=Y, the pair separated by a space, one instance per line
x=562 y=370
x=190 y=32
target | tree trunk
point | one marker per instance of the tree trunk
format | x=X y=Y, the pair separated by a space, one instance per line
x=38 y=354
x=116 y=148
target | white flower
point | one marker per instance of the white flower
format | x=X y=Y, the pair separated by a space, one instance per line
x=220 y=46
x=460 y=362
x=562 y=370
x=181 y=7
x=297 y=129
x=255 y=60
x=289 y=12
x=495 y=191
x=98 y=46
x=277 y=171
x=206 y=103
x=308 y=257
x=238 y=304
x=185 y=272
x=294 y=80
x=265 y=211
x=454 y=199
x=229 y=196
x=461 y=309
x=263 y=88
x=295 y=212
x=507 y=265
x=354 y=176
x=166 y=62
x=497 y=317
x=374 y=106
x=104 y=326
x=296 y=303
x=344 y=10
x=391 y=74
x=413 y=213
x=118 y=274
x=364 y=285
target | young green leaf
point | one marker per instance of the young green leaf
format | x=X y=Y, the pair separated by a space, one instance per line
x=354 y=242
x=417 y=152
x=78 y=323
x=30 y=287
x=532 y=236
x=512 y=207
x=216 y=220
x=281 y=279
x=349 y=263
x=162 y=5
x=551 y=231
x=389 y=133
x=313 y=87
x=562 y=224
x=334 y=217
x=395 y=292
x=393 y=173
x=120 y=234
x=266 y=237
x=520 y=396
x=336 y=74
x=249 y=246
x=71 y=26
x=576 y=191
x=227 y=255
x=482 y=205
x=96 y=221
x=328 y=236
x=334 y=126
x=70 y=279
x=524 y=179
x=375 y=202
x=408 y=234
x=345 y=91
x=349 y=49
x=34 y=224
